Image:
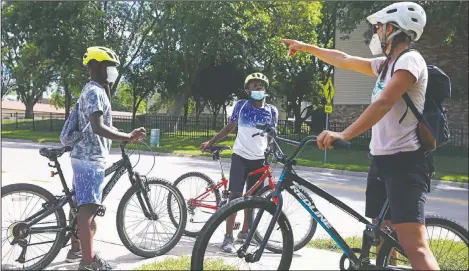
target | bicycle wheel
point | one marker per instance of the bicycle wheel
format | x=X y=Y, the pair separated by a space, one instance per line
x=197 y=215
x=456 y=251
x=303 y=231
x=30 y=199
x=129 y=228
x=204 y=249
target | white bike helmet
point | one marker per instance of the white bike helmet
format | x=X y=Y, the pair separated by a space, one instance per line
x=409 y=16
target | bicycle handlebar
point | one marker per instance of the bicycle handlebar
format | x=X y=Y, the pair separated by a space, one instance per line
x=266 y=128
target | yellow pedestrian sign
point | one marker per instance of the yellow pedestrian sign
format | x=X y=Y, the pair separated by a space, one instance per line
x=329 y=91
x=328 y=108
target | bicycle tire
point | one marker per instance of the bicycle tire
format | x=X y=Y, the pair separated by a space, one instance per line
x=297 y=245
x=120 y=220
x=430 y=220
x=60 y=239
x=210 y=183
x=234 y=206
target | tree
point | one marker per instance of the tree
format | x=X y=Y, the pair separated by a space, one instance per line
x=61 y=31
x=216 y=85
x=199 y=34
x=299 y=78
x=32 y=73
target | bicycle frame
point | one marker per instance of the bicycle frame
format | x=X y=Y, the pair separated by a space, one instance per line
x=118 y=168
x=288 y=178
x=196 y=202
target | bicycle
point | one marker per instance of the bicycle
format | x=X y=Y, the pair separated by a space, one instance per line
x=359 y=258
x=21 y=232
x=200 y=201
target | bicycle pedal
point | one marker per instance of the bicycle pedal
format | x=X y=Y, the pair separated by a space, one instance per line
x=101 y=211
x=237 y=225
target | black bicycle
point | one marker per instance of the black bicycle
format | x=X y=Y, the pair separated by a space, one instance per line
x=41 y=213
x=390 y=256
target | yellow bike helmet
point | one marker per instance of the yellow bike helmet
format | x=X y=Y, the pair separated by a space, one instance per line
x=100 y=54
x=256 y=76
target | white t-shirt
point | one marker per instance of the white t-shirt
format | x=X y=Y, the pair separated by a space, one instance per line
x=388 y=135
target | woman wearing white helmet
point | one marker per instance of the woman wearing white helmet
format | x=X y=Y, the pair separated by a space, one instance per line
x=397 y=157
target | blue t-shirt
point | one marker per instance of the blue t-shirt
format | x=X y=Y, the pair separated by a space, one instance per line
x=247 y=115
x=93 y=148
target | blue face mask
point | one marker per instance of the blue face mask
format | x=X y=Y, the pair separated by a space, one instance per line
x=257 y=95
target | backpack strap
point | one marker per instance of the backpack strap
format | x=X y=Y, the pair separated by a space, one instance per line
x=406 y=96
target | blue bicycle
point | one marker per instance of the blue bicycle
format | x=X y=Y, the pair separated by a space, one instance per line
x=390 y=256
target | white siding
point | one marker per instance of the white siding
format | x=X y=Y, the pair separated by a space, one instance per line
x=352 y=87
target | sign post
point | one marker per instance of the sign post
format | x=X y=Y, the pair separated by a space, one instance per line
x=329 y=93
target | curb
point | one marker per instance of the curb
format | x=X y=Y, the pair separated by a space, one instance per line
x=435 y=183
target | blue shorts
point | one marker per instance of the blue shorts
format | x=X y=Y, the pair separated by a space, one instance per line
x=88 y=181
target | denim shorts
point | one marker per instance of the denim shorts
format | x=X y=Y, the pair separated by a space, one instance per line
x=88 y=181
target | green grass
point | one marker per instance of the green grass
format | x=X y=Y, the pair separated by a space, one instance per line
x=448 y=168
x=457 y=259
x=184 y=263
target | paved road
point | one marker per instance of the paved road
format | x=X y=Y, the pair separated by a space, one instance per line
x=21 y=162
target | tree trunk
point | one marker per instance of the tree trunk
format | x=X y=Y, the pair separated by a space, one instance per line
x=67 y=100
x=134 y=116
x=214 y=118
x=298 y=119
x=29 y=113
x=175 y=111
x=186 y=111
x=225 y=117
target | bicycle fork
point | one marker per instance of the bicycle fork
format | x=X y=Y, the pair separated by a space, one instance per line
x=144 y=201
x=256 y=256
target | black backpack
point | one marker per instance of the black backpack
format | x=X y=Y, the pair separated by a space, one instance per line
x=432 y=129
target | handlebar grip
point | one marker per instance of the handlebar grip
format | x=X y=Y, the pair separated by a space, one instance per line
x=341 y=144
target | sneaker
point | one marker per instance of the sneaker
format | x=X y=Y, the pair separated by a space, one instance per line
x=241 y=238
x=97 y=264
x=73 y=256
x=227 y=245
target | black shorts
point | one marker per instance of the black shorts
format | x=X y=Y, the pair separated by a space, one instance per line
x=403 y=178
x=240 y=167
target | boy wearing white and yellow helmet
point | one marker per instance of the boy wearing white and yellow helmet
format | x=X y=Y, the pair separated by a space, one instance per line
x=89 y=155
x=248 y=151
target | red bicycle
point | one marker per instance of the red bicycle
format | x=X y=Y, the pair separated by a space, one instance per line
x=206 y=199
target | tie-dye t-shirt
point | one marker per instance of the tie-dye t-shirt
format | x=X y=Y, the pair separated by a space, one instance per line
x=96 y=148
x=247 y=115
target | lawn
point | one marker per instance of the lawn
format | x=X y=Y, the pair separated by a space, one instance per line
x=457 y=260
x=184 y=263
x=448 y=168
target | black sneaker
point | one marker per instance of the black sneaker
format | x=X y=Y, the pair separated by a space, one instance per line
x=97 y=264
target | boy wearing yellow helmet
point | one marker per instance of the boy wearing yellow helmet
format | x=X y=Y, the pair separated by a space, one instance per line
x=248 y=151
x=89 y=155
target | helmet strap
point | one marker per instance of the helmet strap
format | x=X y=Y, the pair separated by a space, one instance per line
x=384 y=39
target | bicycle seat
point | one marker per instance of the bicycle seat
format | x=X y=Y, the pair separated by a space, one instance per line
x=221 y=148
x=54 y=153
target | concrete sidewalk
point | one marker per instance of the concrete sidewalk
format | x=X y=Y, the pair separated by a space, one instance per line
x=304 y=259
